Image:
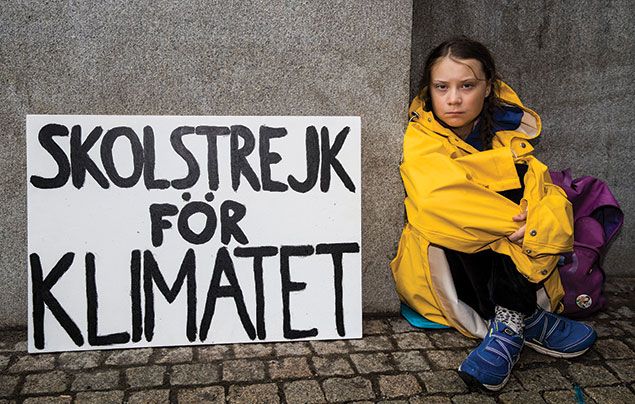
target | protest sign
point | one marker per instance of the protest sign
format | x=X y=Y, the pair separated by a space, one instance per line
x=183 y=230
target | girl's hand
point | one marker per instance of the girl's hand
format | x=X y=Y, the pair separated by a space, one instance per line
x=518 y=236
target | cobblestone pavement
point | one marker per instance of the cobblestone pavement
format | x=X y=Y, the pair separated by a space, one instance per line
x=392 y=363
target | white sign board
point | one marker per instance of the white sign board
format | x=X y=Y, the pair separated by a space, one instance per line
x=182 y=230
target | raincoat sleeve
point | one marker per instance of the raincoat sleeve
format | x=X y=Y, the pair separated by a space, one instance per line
x=451 y=208
x=549 y=226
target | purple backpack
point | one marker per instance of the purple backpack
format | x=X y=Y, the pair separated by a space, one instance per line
x=597 y=219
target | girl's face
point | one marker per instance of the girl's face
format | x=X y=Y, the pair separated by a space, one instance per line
x=458 y=90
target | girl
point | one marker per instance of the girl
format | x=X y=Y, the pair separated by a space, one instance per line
x=485 y=224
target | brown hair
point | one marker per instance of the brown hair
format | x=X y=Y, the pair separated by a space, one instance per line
x=462 y=48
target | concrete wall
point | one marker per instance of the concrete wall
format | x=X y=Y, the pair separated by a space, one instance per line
x=573 y=63
x=201 y=57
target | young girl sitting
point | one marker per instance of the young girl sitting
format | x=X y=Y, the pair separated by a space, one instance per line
x=486 y=226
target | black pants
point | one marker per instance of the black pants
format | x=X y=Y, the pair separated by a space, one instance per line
x=486 y=279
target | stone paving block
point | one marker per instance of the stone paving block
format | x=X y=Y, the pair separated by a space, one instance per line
x=173 y=355
x=253 y=350
x=33 y=363
x=289 y=368
x=303 y=391
x=603 y=315
x=375 y=326
x=145 y=376
x=213 y=395
x=424 y=399
x=627 y=326
x=6 y=346
x=10 y=337
x=79 y=360
x=139 y=356
x=213 y=353
x=254 y=394
x=613 y=349
x=413 y=340
x=615 y=394
x=590 y=375
x=63 y=399
x=563 y=396
x=372 y=343
x=329 y=347
x=475 y=398
x=614 y=285
x=624 y=312
x=589 y=356
x=446 y=359
x=8 y=385
x=372 y=362
x=525 y=397
x=452 y=339
x=544 y=378
x=411 y=361
x=625 y=369
x=512 y=385
x=403 y=385
x=606 y=330
x=243 y=370
x=150 y=396
x=99 y=397
x=4 y=361
x=199 y=373
x=331 y=366
x=20 y=346
x=443 y=381
x=399 y=325
x=617 y=299
x=529 y=357
x=104 y=380
x=292 y=349
x=49 y=382
x=340 y=389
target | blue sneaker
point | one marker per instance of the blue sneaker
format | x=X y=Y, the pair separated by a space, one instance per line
x=557 y=336
x=490 y=364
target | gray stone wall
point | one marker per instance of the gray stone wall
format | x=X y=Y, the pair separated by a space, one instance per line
x=573 y=63
x=201 y=57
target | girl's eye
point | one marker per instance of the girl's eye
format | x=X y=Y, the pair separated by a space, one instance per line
x=440 y=86
x=468 y=85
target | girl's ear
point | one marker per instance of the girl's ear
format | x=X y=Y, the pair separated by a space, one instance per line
x=489 y=88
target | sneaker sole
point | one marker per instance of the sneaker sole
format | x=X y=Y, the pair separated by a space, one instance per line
x=541 y=349
x=473 y=383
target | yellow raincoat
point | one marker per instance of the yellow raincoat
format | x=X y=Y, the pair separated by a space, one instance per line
x=453 y=201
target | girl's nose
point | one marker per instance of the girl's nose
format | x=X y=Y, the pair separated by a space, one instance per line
x=454 y=97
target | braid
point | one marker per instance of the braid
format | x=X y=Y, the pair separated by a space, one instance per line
x=490 y=106
x=487 y=125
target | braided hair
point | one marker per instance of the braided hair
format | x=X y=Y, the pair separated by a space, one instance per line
x=462 y=48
